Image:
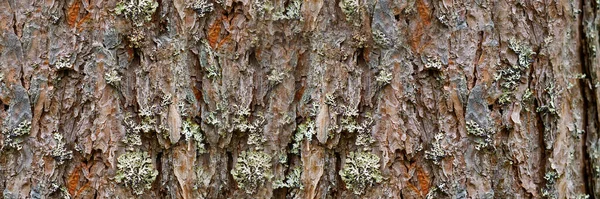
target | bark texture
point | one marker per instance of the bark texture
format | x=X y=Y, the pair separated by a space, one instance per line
x=299 y=99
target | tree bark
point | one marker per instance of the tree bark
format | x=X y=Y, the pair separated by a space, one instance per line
x=299 y=99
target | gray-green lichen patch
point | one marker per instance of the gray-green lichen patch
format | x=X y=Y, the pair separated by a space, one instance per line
x=384 y=77
x=135 y=170
x=360 y=171
x=113 y=78
x=252 y=169
x=13 y=138
x=191 y=131
x=306 y=130
x=381 y=39
x=60 y=152
x=523 y=51
x=138 y=11
x=276 y=77
x=549 y=191
x=202 y=7
x=63 y=63
x=293 y=180
x=433 y=64
x=436 y=153
x=292 y=11
x=483 y=137
x=549 y=106
x=350 y=9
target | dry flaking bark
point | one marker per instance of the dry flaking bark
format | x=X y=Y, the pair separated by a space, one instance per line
x=430 y=99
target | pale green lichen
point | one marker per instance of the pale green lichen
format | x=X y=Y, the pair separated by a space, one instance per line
x=483 y=138
x=292 y=180
x=138 y=11
x=202 y=7
x=384 y=77
x=433 y=64
x=113 y=78
x=13 y=138
x=436 y=153
x=252 y=170
x=381 y=39
x=148 y=121
x=350 y=9
x=60 y=152
x=276 y=77
x=292 y=11
x=511 y=78
x=549 y=191
x=135 y=170
x=582 y=196
x=191 y=131
x=210 y=63
x=306 y=130
x=550 y=105
x=523 y=51
x=63 y=63
x=360 y=171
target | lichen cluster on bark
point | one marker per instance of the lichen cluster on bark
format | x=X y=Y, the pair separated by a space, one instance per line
x=299 y=99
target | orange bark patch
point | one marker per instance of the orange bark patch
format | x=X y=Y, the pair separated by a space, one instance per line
x=73 y=180
x=423 y=181
x=213 y=34
x=73 y=13
x=424 y=22
x=83 y=20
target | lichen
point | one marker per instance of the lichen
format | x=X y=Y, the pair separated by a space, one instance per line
x=436 y=153
x=511 y=78
x=276 y=77
x=13 y=138
x=292 y=180
x=524 y=52
x=360 y=171
x=252 y=169
x=138 y=11
x=350 y=9
x=191 y=131
x=202 y=7
x=549 y=106
x=63 y=63
x=548 y=191
x=292 y=11
x=433 y=64
x=306 y=130
x=483 y=138
x=384 y=77
x=113 y=78
x=135 y=170
x=381 y=39
x=59 y=152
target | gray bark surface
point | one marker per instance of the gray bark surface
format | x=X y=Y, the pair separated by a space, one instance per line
x=426 y=98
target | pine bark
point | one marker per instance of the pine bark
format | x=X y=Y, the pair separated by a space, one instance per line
x=461 y=99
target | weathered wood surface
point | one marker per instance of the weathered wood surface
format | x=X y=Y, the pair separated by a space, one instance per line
x=430 y=99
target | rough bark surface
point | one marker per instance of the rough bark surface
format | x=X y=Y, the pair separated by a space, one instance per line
x=428 y=98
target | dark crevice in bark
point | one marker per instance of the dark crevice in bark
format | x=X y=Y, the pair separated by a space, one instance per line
x=589 y=103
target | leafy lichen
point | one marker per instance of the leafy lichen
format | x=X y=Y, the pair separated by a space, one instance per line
x=292 y=180
x=436 y=153
x=252 y=169
x=135 y=170
x=483 y=138
x=138 y=11
x=191 y=131
x=13 y=138
x=360 y=171
x=59 y=152
x=202 y=7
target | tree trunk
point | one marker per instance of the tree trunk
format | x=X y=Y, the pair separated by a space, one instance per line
x=299 y=99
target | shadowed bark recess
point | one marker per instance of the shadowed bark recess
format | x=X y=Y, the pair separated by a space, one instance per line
x=299 y=99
